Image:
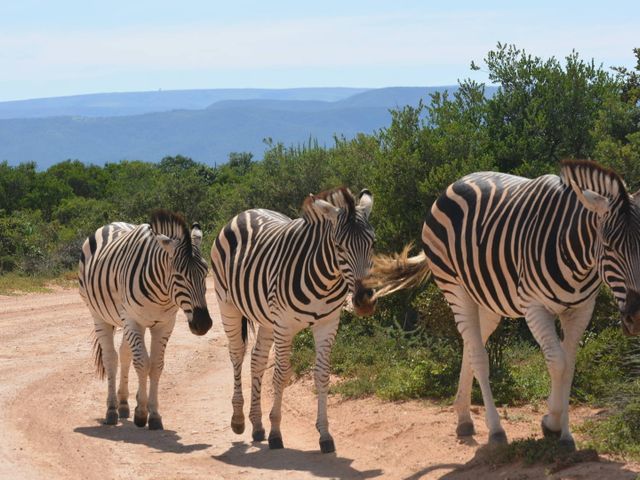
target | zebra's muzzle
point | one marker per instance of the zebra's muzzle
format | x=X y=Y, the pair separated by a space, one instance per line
x=364 y=302
x=200 y=322
x=631 y=314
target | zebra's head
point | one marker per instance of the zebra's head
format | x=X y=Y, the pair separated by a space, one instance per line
x=352 y=239
x=617 y=219
x=188 y=270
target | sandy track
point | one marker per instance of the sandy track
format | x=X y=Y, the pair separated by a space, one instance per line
x=51 y=407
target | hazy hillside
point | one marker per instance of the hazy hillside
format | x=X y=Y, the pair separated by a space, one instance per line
x=134 y=103
x=206 y=134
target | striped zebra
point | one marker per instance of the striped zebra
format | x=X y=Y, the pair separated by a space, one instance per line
x=137 y=277
x=498 y=245
x=285 y=275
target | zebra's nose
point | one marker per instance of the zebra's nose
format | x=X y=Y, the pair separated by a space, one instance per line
x=631 y=314
x=201 y=322
x=363 y=301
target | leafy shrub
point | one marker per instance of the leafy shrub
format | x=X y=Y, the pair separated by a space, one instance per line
x=603 y=365
x=618 y=432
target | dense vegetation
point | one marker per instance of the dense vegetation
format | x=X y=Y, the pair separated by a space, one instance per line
x=543 y=111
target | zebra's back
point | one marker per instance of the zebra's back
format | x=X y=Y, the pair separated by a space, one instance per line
x=112 y=271
x=260 y=262
x=506 y=240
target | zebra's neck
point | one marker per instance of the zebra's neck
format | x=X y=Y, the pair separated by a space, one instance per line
x=324 y=260
x=580 y=242
x=158 y=273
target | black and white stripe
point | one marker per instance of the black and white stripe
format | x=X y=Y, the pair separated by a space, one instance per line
x=504 y=246
x=137 y=277
x=284 y=275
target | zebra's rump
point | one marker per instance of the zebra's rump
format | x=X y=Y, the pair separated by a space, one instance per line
x=506 y=240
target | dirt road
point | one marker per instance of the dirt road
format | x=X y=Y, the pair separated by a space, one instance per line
x=51 y=407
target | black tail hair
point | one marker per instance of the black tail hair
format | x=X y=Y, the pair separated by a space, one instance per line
x=245 y=329
x=97 y=359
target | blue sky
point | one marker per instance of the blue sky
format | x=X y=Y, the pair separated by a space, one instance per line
x=63 y=47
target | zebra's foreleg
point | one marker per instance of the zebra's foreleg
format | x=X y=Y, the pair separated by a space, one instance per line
x=259 y=358
x=467 y=319
x=574 y=322
x=108 y=358
x=160 y=334
x=541 y=322
x=462 y=404
x=123 y=389
x=281 y=375
x=324 y=336
x=134 y=334
x=232 y=322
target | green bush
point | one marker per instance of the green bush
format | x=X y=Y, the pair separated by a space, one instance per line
x=603 y=365
x=618 y=431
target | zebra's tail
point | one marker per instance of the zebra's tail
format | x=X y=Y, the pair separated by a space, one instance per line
x=397 y=271
x=248 y=328
x=101 y=373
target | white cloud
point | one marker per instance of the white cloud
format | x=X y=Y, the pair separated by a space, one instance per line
x=352 y=41
x=403 y=40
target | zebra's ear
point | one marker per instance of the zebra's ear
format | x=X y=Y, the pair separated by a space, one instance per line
x=325 y=209
x=168 y=244
x=196 y=234
x=365 y=202
x=592 y=201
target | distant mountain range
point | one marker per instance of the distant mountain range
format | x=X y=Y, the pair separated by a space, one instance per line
x=205 y=125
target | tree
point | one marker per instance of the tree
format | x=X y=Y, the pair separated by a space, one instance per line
x=85 y=180
x=543 y=111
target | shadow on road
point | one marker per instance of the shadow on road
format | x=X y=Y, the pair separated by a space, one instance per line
x=479 y=468
x=162 y=440
x=327 y=465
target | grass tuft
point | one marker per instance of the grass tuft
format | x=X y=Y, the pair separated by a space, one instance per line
x=545 y=451
x=15 y=284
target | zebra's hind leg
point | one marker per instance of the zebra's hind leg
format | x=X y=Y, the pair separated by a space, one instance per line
x=123 y=389
x=107 y=359
x=259 y=358
x=466 y=313
x=281 y=375
x=462 y=404
x=324 y=335
x=236 y=329
x=134 y=335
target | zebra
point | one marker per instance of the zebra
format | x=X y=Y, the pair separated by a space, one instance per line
x=137 y=277
x=499 y=245
x=284 y=275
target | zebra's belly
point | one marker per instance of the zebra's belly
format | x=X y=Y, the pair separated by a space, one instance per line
x=150 y=314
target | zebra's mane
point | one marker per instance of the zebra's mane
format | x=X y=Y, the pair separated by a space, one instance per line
x=592 y=176
x=340 y=197
x=173 y=225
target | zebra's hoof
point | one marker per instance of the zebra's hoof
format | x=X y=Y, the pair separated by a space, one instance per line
x=155 y=422
x=498 y=438
x=258 y=435
x=465 y=429
x=327 y=446
x=567 y=444
x=237 y=427
x=275 y=443
x=547 y=432
x=123 y=410
x=111 y=418
x=140 y=419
